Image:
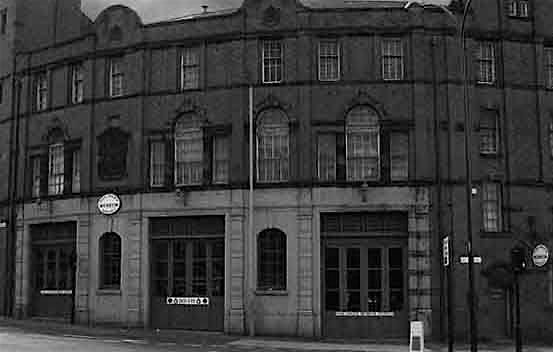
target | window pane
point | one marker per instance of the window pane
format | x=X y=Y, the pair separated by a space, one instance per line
x=392 y=59
x=332 y=258
x=272 y=147
x=76 y=177
x=272 y=61
x=190 y=68
x=332 y=300
x=157 y=163
x=353 y=301
x=332 y=279
x=399 y=156
x=36 y=176
x=221 y=159
x=272 y=260
x=188 y=154
x=374 y=302
x=56 y=171
x=362 y=138
x=110 y=244
x=326 y=148
x=329 y=60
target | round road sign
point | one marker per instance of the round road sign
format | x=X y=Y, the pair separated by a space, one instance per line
x=540 y=255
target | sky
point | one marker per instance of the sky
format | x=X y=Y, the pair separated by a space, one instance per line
x=158 y=10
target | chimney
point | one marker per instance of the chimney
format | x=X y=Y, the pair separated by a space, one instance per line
x=204 y=7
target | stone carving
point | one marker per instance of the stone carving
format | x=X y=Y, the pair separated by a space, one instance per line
x=112 y=154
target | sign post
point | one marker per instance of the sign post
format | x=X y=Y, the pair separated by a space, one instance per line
x=416 y=340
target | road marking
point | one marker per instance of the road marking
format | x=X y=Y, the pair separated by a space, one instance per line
x=138 y=342
x=80 y=337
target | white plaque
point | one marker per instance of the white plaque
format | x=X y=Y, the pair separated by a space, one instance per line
x=109 y=204
x=540 y=255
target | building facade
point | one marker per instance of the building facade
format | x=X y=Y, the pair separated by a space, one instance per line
x=357 y=142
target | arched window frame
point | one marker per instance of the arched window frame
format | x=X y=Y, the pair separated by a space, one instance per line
x=271 y=264
x=189 y=151
x=363 y=144
x=273 y=146
x=110 y=261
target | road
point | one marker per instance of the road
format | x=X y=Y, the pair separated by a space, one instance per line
x=19 y=340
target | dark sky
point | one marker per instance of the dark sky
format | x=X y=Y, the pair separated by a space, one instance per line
x=158 y=10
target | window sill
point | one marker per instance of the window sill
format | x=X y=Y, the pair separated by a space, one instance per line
x=108 y=292
x=271 y=292
x=487 y=84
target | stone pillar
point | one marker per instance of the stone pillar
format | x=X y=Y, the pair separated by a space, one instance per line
x=419 y=260
x=82 y=312
x=235 y=239
x=132 y=276
x=305 y=273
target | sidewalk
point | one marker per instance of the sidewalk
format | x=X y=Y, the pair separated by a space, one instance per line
x=220 y=339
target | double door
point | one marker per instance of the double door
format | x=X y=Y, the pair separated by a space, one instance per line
x=53 y=280
x=364 y=288
x=188 y=283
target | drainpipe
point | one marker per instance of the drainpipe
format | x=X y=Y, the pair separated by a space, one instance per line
x=250 y=239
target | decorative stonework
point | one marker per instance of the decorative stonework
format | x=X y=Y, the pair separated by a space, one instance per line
x=364 y=98
x=419 y=260
x=271 y=16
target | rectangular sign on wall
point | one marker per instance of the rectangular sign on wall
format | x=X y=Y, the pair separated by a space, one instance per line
x=188 y=301
x=445 y=250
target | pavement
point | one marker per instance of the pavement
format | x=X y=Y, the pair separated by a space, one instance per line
x=27 y=335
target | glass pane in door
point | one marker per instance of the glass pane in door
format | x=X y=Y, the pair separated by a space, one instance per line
x=199 y=268
x=332 y=279
x=374 y=279
x=353 y=284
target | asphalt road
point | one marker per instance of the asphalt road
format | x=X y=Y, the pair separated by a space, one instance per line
x=19 y=340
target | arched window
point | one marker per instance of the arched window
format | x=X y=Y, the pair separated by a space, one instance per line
x=271 y=264
x=110 y=261
x=362 y=144
x=56 y=169
x=189 y=145
x=273 y=151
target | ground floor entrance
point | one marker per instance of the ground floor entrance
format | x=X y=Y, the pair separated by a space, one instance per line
x=364 y=280
x=53 y=263
x=187 y=271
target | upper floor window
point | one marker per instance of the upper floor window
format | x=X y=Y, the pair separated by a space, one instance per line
x=489 y=129
x=56 y=170
x=77 y=84
x=518 y=8
x=110 y=261
x=190 y=68
x=273 y=151
x=116 y=77
x=3 y=21
x=41 y=91
x=549 y=67
x=157 y=163
x=221 y=159
x=272 y=61
x=329 y=60
x=486 y=63
x=363 y=151
x=491 y=207
x=362 y=144
x=392 y=59
x=271 y=249
x=189 y=150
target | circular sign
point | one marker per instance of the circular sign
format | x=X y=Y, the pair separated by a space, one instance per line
x=540 y=255
x=109 y=204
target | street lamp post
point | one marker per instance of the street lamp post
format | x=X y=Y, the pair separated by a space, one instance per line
x=460 y=26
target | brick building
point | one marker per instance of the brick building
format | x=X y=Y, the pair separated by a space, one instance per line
x=358 y=165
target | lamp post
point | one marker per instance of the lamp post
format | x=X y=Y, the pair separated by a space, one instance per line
x=460 y=26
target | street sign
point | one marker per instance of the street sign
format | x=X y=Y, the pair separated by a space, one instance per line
x=445 y=250
x=540 y=255
x=465 y=259
x=188 y=301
